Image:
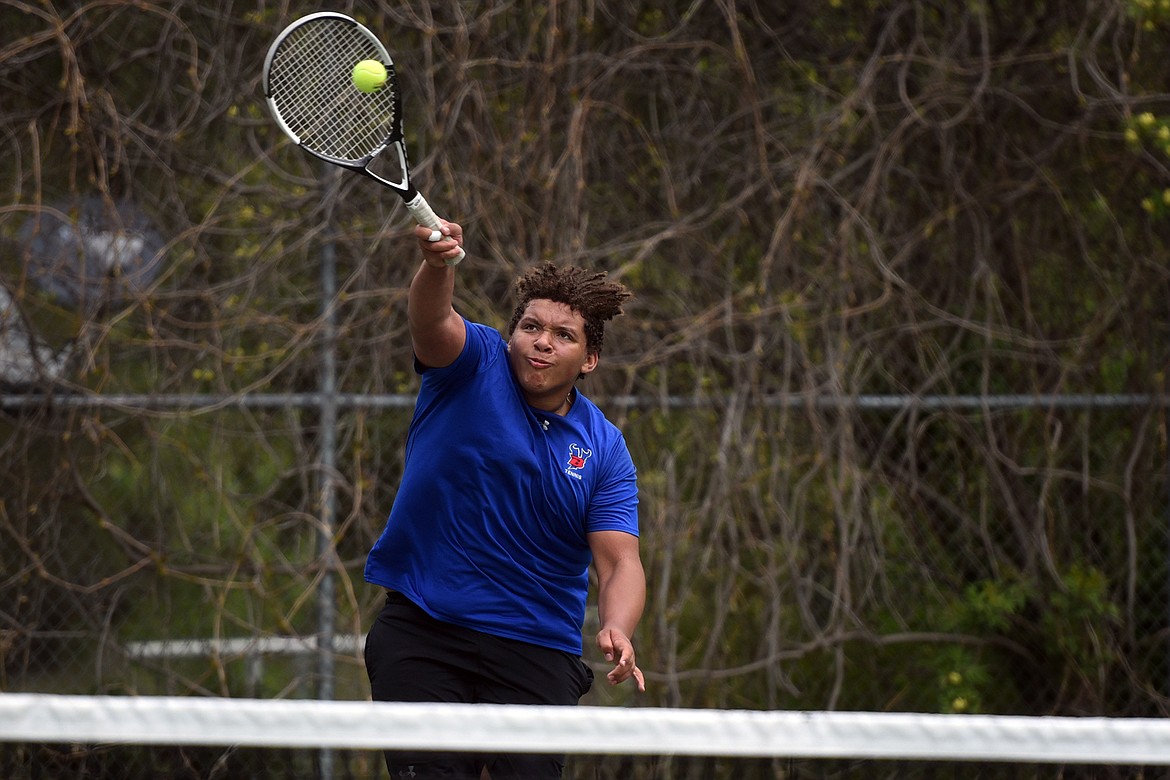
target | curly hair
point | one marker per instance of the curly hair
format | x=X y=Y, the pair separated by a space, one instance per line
x=585 y=292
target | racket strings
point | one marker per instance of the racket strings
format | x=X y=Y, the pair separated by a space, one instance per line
x=311 y=85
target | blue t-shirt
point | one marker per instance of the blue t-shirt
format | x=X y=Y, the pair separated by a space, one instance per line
x=488 y=529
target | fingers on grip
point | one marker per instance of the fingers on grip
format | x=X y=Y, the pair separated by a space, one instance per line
x=426 y=216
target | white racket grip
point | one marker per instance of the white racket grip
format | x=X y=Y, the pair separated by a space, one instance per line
x=422 y=211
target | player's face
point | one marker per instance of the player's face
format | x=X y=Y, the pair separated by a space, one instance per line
x=547 y=352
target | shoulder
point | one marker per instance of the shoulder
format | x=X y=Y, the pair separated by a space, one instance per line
x=595 y=416
x=482 y=346
x=607 y=437
x=484 y=333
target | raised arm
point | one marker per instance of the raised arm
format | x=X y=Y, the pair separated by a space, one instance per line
x=621 y=596
x=437 y=332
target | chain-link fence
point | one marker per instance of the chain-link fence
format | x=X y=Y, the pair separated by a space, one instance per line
x=915 y=588
x=912 y=575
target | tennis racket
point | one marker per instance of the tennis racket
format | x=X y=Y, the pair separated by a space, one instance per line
x=309 y=86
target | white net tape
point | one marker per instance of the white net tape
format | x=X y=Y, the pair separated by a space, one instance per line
x=581 y=730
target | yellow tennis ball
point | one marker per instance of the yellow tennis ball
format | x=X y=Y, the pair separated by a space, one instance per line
x=369 y=75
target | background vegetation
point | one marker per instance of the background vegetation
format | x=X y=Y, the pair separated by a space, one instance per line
x=893 y=379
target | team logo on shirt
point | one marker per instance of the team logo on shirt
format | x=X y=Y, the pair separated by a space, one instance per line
x=577 y=457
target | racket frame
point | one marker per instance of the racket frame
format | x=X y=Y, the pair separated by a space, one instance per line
x=416 y=204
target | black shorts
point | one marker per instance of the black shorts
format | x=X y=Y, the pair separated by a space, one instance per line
x=411 y=657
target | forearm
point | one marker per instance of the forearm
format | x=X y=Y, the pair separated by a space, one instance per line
x=428 y=304
x=436 y=330
x=621 y=597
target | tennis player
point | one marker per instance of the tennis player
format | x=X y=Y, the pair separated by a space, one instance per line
x=514 y=482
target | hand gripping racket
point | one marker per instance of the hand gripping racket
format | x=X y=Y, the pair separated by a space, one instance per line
x=309 y=85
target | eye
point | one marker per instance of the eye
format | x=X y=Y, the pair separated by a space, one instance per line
x=528 y=326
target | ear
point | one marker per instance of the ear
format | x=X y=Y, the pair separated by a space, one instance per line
x=591 y=358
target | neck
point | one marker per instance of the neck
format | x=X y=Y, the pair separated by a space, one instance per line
x=566 y=405
x=552 y=407
x=552 y=404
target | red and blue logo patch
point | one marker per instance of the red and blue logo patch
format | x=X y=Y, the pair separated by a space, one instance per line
x=578 y=455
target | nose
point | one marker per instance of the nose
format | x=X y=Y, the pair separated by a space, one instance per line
x=543 y=341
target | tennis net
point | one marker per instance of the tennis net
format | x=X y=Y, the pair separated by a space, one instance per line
x=45 y=735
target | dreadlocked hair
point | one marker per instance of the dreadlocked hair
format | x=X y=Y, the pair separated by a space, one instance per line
x=585 y=292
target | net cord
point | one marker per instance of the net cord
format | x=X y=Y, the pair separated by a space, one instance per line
x=160 y=720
